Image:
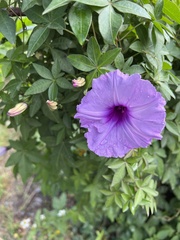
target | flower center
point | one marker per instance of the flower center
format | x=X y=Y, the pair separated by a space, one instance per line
x=118 y=114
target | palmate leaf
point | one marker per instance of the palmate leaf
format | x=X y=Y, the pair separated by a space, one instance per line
x=7 y=27
x=109 y=24
x=80 y=18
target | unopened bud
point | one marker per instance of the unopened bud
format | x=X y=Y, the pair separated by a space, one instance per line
x=52 y=105
x=18 y=109
x=79 y=82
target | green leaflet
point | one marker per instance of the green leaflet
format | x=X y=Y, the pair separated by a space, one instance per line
x=81 y=62
x=109 y=24
x=130 y=7
x=39 y=86
x=80 y=18
x=7 y=27
x=37 y=38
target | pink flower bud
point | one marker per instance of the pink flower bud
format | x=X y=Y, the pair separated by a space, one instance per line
x=18 y=109
x=79 y=82
x=52 y=105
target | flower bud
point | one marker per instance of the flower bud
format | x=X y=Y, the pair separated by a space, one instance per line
x=52 y=105
x=79 y=82
x=18 y=109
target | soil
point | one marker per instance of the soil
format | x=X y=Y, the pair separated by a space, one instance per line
x=17 y=201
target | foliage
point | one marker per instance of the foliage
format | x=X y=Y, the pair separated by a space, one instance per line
x=58 y=41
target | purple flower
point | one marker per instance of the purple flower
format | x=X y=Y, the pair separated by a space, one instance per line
x=2 y=151
x=121 y=112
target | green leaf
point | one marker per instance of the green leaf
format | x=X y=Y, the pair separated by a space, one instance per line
x=3 y=4
x=43 y=71
x=137 y=46
x=80 y=18
x=7 y=27
x=119 y=61
x=173 y=49
x=109 y=24
x=64 y=63
x=109 y=201
x=150 y=191
x=56 y=20
x=13 y=159
x=81 y=62
x=19 y=72
x=52 y=115
x=93 y=50
x=26 y=4
x=171 y=10
x=108 y=57
x=116 y=164
x=35 y=105
x=63 y=83
x=98 y=3
x=37 y=38
x=56 y=4
x=25 y=130
x=138 y=197
x=130 y=171
x=25 y=167
x=38 y=87
x=119 y=175
x=160 y=167
x=158 y=9
x=59 y=203
x=90 y=77
x=35 y=15
x=130 y=7
x=166 y=89
x=118 y=201
x=17 y=54
x=126 y=188
x=53 y=91
x=70 y=97
x=106 y=192
x=60 y=136
x=172 y=127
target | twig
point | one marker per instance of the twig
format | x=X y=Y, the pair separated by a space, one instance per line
x=14 y=12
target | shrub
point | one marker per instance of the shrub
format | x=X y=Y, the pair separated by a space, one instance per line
x=44 y=46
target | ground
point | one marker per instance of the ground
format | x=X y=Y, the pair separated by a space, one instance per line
x=17 y=201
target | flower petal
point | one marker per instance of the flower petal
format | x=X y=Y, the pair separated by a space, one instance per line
x=121 y=113
x=108 y=143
